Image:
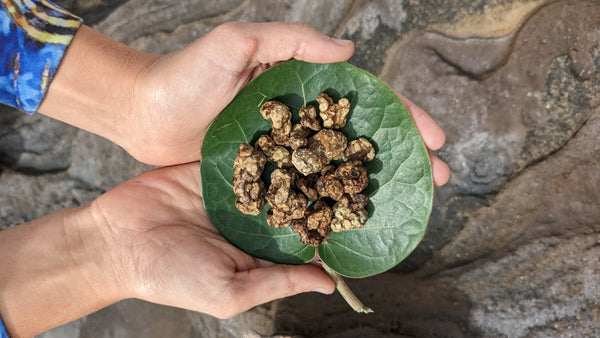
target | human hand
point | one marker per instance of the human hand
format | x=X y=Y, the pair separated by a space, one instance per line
x=177 y=96
x=184 y=91
x=164 y=249
x=159 y=107
x=149 y=238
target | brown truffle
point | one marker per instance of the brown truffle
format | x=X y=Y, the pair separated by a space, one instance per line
x=306 y=184
x=315 y=226
x=304 y=153
x=298 y=136
x=308 y=118
x=308 y=161
x=333 y=114
x=286 y=204
x=346 y=219
x=355 y=202
x=330 y=143
x=247 y=183
x=281 y=120
x=279 y=155
x=353 y=176
x=330 y=186
x=359 y=150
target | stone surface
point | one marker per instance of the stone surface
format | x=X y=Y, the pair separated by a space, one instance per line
x=513 y=242
x=526 y=265
x=520 y=110
x=34 y=144
x=135 y=318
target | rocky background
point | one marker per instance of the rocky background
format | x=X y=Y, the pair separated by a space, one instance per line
x=513 y=245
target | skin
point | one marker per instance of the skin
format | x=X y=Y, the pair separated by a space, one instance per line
x=150 y=238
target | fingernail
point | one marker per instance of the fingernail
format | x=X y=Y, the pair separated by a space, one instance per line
x=341 y=42
x=321 y=290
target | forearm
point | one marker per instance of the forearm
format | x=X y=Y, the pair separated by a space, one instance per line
x=52 y=272
x=93 y=85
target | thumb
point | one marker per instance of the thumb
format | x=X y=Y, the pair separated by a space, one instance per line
x=261 y=285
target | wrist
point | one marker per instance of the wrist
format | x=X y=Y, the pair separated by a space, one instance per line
x=93 y=85
x=54 y=270
x=95 y=255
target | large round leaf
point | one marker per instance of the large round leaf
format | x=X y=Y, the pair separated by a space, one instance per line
x=400 y=187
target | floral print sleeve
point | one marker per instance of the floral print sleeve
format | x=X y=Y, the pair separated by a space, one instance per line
x=3 y=332
x=34 y=35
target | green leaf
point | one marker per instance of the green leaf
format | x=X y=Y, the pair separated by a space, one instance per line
x=400 y=186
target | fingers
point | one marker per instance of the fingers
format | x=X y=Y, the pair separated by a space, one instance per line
x=432 y=134
x=272 y=282
x=441 y=171
x=264 y=43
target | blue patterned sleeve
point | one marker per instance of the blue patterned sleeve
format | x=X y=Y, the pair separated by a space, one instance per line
x=3 y=332
x=34 y=35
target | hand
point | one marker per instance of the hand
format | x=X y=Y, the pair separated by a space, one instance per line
x=166 y=251
x=159 y=107
x=179 y=94
x=149 y=238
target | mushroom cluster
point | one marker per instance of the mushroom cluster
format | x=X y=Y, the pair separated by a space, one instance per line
x=320 y=177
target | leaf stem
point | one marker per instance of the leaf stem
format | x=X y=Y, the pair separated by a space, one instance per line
x=345 y=291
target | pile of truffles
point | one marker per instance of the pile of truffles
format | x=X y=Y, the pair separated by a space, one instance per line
x=307 y=191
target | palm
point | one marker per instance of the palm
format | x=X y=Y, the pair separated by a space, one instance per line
x=182 y=92
x=172 y=250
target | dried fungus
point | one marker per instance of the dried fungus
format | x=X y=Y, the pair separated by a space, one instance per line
x=319 y=183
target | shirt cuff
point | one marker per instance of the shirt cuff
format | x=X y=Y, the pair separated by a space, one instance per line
x=3 y=332
x=34 y=35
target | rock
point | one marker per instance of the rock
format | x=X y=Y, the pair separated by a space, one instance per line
x=24 y=198
x=374 y=27
x=510 y=105
x=555 y=197
x=134 y=318
x=137 y=18
x=34 y=144
x=546 y=287
x=323 y=16
x=100 y=163
x=91 y=11
x=527 y=107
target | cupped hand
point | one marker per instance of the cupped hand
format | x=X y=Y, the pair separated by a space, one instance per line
x=179 y=94
x=162 y=248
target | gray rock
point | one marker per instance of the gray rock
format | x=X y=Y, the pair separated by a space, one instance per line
x=34 y=143
x=100 y=163
x=506 y=118
x=323 y=16
x=91 y=11
x=137 y=18
x=24 y=198
x=499 y=123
